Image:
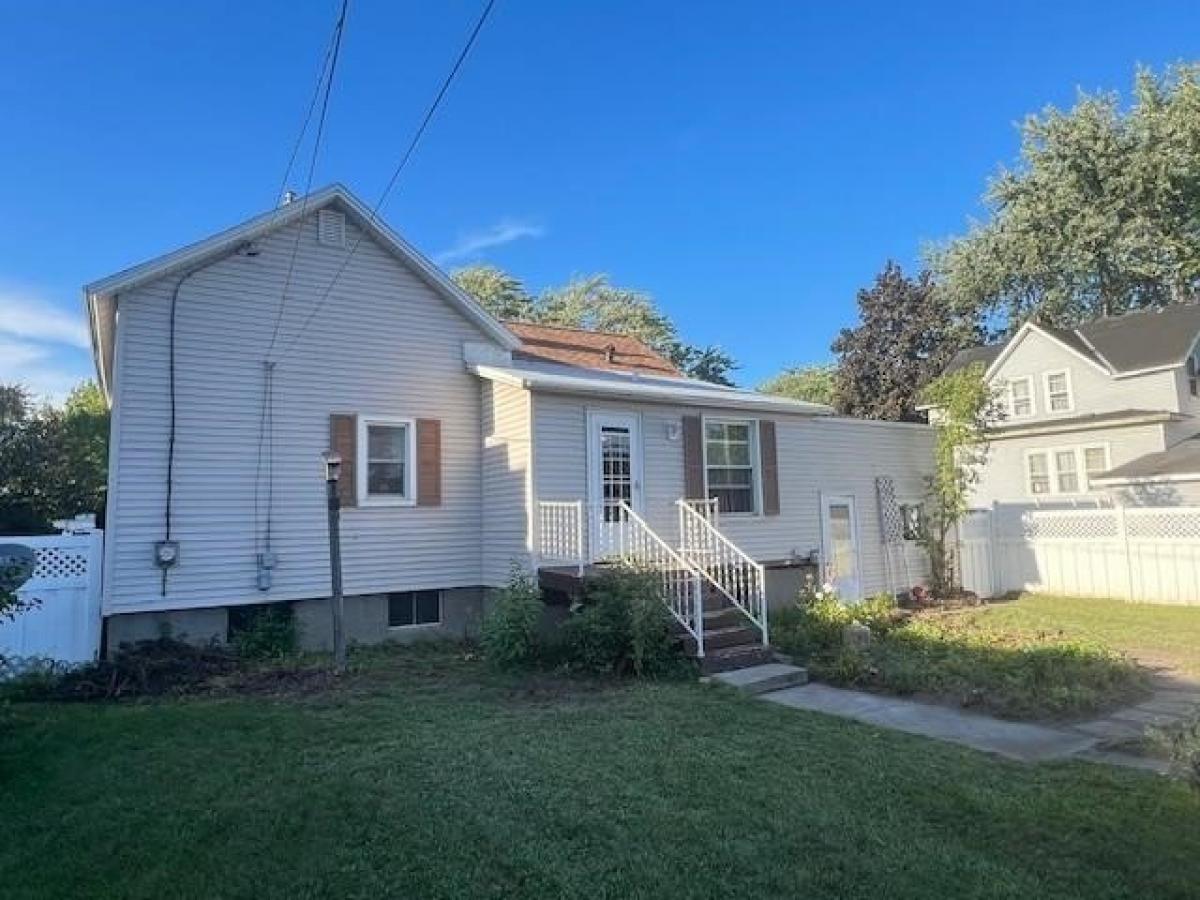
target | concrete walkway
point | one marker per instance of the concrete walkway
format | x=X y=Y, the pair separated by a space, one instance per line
x=1015 y=740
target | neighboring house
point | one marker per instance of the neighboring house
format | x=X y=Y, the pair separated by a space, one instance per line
x=467 y=446
x=1099 y=413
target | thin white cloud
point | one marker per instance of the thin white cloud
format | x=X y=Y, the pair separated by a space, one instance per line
x=503 y=232
x=36 y=367
x=23 y=315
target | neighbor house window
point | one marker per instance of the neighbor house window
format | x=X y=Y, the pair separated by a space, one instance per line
x=1058 y=391
x=1067 y=470
x=1095 y=461
x=1039 y=473
x=1020 y=397
x=407 y=608
x=730 y=457
x=386 y=460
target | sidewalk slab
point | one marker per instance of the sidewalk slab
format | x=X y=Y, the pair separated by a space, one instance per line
x=1014 y=740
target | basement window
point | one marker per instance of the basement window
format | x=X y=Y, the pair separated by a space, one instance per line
x=408 y=608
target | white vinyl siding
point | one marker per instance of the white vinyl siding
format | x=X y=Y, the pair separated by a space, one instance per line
x=835 y=455
x=383 y=342
x=507 y=480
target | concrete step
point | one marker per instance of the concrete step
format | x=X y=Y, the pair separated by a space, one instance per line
x=763 y=678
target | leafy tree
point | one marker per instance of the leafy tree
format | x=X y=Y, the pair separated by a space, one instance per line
x=500 y=293
x=965 y=406
x=595 y=303
x=53 y=462
x=907 y=334
x=1102 y=215
x=814 y=384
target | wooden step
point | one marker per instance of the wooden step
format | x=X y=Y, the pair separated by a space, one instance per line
x=739 y=633
x=738 y=656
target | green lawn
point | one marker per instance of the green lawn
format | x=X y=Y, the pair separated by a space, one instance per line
x=423 y=775
x=1155 y=635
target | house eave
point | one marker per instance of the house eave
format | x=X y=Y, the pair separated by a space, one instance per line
x=1069 y=425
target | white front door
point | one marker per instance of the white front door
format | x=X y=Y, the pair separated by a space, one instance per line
x=842 y=566
x=614 y=476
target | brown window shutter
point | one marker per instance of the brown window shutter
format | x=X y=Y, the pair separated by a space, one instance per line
x=343 y=440
x=429 y=462
x=693 y=458
x=770 y=467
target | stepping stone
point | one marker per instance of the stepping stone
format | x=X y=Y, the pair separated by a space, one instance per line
x=761 y=679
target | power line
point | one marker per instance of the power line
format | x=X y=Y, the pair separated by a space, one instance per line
x=338 y=29
x=412 y=146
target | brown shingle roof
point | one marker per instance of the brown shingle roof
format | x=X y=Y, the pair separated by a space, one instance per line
x=588 y=349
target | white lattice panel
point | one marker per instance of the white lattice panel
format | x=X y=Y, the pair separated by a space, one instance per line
x=1165 y=524
x=1087 y=525
x=61 y=564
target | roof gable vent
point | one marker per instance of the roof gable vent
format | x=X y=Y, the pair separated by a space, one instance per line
x=331 y=228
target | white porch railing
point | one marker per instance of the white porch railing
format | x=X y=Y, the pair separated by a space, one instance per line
x=725 y=565
x=621 y=535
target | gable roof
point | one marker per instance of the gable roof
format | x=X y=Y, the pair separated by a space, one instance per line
x=1120 y=345
x=99 y=296
x=590 y=349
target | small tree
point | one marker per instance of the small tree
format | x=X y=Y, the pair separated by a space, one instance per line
x=814 y=384
x=965 y=407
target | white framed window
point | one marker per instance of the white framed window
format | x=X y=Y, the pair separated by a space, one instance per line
x=409 y=608
x=1020 y=397
x=1095 y=461
x=731 y=470
x=1037 y=468
x=1066 y=471
x=1058 y=391
x=386 y=463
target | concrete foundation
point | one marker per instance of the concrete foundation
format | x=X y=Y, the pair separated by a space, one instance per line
x=366 y=620
x=784 y=581
x=195 y=626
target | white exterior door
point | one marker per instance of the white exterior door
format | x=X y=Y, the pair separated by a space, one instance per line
x=840 y=556
x=614 y=475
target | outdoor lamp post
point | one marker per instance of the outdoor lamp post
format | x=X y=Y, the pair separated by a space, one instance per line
x=333 y=469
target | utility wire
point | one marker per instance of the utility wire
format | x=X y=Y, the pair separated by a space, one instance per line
x=266 y=419
x=338 y=29
x=412 y=146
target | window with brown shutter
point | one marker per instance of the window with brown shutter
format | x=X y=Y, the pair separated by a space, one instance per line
x=693 y=458
x=770 y=467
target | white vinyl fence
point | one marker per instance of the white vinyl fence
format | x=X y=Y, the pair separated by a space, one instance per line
x=66 y=623
x=1149 y=555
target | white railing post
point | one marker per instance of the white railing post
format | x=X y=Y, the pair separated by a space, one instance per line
x=698 y=612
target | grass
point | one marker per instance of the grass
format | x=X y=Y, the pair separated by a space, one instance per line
x=426 y=775
x=1160 y=636
x=1007 y=666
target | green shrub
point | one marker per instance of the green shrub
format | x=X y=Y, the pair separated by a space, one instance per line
x=816 y=624
x=510 y=631
x=622 y=626
x=263 y=632
x=1181 y=742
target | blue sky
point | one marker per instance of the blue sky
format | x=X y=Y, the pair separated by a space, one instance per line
x=749 y=164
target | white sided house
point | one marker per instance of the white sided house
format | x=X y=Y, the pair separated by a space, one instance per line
x=1105 y=412
x=468 y=446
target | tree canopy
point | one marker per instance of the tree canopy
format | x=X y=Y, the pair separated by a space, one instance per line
x=814 y=384
x=53 y=461
x=595 y=303
x=1101 y=215
x=907 y=333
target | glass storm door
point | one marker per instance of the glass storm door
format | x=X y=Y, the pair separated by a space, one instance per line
x=615 y=477
x=840 y=560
